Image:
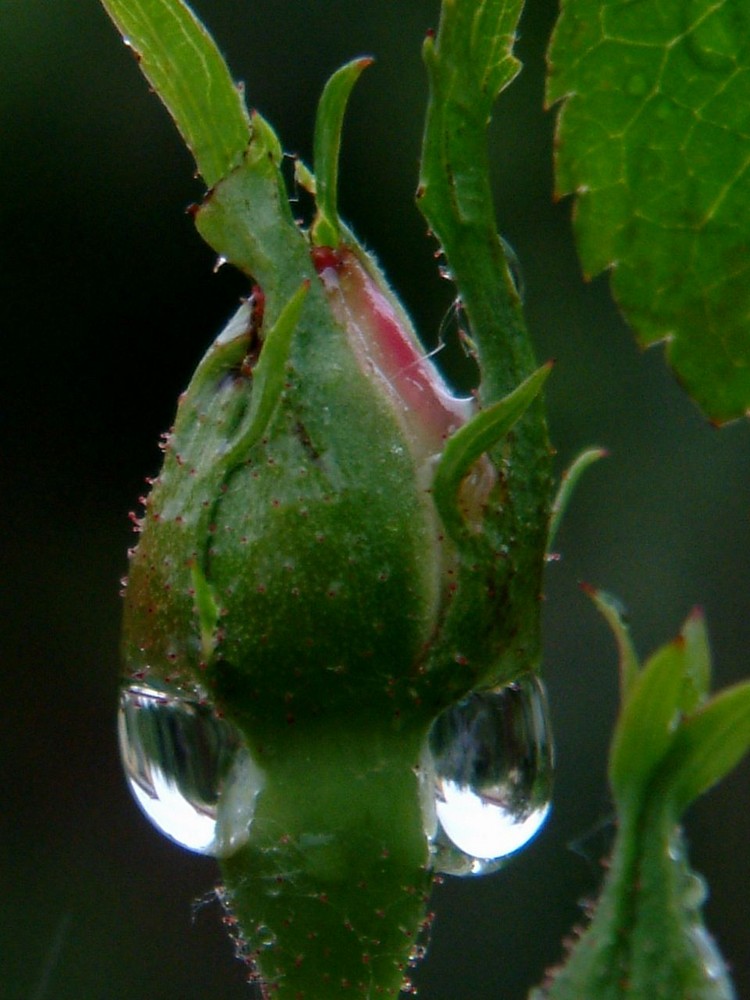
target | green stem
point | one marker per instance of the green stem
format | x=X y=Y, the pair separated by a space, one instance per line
x=646 y=940
x=468 y=64
x=332 y=886
x=455 y=194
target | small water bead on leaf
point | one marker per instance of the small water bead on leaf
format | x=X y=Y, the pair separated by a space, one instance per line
x=487 y=777
x=188 y=769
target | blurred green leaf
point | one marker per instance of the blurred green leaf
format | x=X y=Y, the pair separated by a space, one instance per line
x=707 y=746
x=646 y=938
x=654 y=139
x=180 y=60
x=697 y=662
x=646 y=724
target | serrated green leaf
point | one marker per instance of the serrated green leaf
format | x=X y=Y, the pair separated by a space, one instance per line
x=181 y=61
x=329 y=123
x=654 y=139
x=707 y=746
x=479 y=38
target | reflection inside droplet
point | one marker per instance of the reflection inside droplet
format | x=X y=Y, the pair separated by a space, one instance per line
x=487 y=777
x=188 y=769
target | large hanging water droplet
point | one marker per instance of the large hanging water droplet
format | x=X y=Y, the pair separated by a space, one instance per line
x=188 y=769
x=487 y=777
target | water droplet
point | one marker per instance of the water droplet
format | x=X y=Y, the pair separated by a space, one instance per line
x=710 y=957
x=487 y=777
x=694 y=891
x=188 y=769
x=264 y=937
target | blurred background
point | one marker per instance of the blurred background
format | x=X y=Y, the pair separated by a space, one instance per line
x=107 y=301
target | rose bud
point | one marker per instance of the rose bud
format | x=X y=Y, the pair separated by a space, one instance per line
x=336 y=549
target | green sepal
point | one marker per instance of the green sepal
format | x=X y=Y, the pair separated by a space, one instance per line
x=326 y=229
x=614 y=614
x=182 y=63
x=464 y=448
x=268 y=375
x=568 y=482
x=206 y=609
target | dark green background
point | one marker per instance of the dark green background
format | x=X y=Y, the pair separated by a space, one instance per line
x=107 y=300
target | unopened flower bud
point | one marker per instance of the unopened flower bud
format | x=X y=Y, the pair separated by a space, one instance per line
x=293 y=559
